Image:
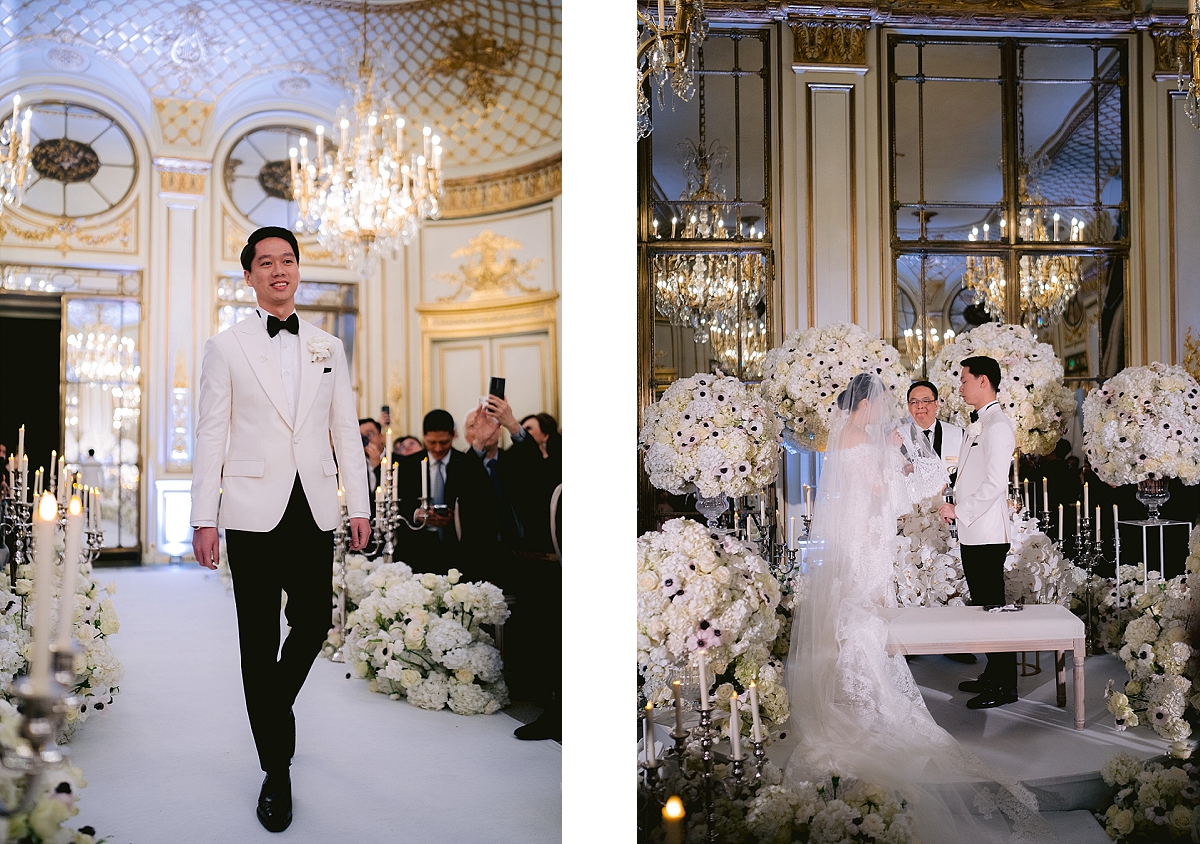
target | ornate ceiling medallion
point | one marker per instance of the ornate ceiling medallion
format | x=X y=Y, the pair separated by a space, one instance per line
x=65 y=160
x=189 y=46
x=275 y=177
x=475 y=59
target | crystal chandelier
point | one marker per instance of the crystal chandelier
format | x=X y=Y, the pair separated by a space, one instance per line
x=750 y=329
x=15 y=171
x=1048 y=283
x=367 y=197
x=700 y=291
x=97 y=354
x=668 y=48
x=923 y=342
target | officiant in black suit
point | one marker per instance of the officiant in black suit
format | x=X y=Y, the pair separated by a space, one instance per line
x=461 y=520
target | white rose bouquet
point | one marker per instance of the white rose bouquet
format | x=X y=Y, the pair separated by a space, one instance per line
x=1152 y=801
x=694 y=591
x=1144 y=423
x=802 y=378
x=829 y=811
x=1031 y=386
x=419 y=636
x=710 y=434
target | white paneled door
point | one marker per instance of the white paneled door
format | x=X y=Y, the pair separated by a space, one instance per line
x=461 y=369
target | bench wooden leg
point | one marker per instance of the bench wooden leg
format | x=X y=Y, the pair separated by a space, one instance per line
x=1060 y=678
x=1078 y=654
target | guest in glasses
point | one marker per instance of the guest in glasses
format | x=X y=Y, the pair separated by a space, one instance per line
x=943 y=438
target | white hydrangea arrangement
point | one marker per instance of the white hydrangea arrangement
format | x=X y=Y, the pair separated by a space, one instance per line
x=803 y=377
x=712 y=435
x=828 y=811
x=1144 y=423
x=419 y=636
x=1153 y=800
x=55 y=804
x=1032 y=393
x=1112 y=616
x=695 y=591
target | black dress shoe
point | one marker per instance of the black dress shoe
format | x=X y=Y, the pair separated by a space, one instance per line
x=275 y=802
x=546 y=726
x=991 y=699
x=965 y=659
x=980 y=685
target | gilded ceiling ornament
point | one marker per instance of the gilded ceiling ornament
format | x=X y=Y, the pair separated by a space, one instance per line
x=65 y=160
x=494 y=272
x=476 y=59
x=189 y=46
x=829 y=43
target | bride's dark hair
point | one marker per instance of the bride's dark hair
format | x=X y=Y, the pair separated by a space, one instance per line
x=861 y=386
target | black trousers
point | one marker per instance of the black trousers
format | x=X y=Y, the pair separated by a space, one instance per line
x=533 y=632
x=983 y=566
x=295 y=557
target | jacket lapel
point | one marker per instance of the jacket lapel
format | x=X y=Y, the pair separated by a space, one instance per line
x=260 y=354
x=310 y=372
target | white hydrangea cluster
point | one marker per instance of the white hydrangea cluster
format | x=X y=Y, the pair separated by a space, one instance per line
x=697 y=591
x=419 y=636
x=929 y=569
x=1157 y=653
x=1153 y=801
x=1144 y=423
x=803 y=377
x=832 y=811
x=712 y=435
x=1032 y=393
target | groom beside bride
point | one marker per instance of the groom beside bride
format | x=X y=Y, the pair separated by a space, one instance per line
x=858 y=711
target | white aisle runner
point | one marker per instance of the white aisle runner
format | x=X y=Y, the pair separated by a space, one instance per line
x=174 y=759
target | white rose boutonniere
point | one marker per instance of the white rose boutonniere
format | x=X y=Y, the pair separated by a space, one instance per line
x=319 y=348
x=974 y=430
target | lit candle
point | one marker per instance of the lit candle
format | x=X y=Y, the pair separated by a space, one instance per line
x=387 y=444
x=96 y=510
x=662 y=14
x=673 y=821
x=43 y=592
x=12 y=474
x=320 y=147
x=1085 y=496
x=66 y=600
x=1045 y=496
x=37 y=480
x=424 y=478
x=378 y=497
x=1055 y=225
x=1060 y=522
x=1097 y=523
x=808 y=491
x=64 y=481
x=25 y=127
x=1078 y=519
x=648 y=735
x=1117 y=552
x=53 y=466
x=702 y=667
x=762 y=507
x=396 y=481
x=756 y=733
x=674 y=220
x=792 y=532
x=675 y=685
x=735 y=728
x=1026 y=493
x=21 y=432
x=24 y=474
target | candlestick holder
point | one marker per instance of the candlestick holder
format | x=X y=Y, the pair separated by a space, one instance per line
x=42 y=717
x=340 y=536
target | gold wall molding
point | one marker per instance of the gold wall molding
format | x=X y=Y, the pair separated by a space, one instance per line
x=830 y=44
x=1170 y=46
x=182 y=175
x=507 y=190
x=234 y=236
x=117 y=235
x=182 y=122
x=1085 y=15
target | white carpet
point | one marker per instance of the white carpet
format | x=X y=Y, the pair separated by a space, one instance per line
x=174 y=759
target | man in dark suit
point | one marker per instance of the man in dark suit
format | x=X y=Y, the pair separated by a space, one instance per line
x=372 y=440
x=459 y=535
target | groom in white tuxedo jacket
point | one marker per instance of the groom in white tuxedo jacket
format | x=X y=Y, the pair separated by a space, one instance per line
x=981 y=510
x=274 y=396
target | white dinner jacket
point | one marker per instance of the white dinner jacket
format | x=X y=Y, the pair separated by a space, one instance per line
x=248 y=450
x=981 y=491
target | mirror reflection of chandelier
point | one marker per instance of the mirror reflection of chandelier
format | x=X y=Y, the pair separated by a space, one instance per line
x=724 y=336
x=97 y=354
x=669 y=49
x=15 y=171
x=369 y=197
x=925 y=339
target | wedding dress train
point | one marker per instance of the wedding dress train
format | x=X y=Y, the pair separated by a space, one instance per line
x=855 y=710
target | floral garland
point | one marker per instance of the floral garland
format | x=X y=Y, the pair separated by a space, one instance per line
x=803 y=377
x=1144 y=423
x=697 y=591
x=1153 y=801
x=419 y=636
x=1031 y=388
x=929 y=570
x=55 y=803
x=1161 y=662
x=710 y=434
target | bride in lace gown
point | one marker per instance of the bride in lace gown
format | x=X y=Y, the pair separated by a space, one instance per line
x=857 y=711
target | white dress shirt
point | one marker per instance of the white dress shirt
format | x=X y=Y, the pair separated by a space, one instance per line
x=287 y=355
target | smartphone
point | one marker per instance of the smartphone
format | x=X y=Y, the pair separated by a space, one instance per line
x=441 y=509
x=365 y=440
x=496 y=387
x=387 y=408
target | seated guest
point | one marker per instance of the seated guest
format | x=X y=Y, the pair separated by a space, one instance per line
x=406 y=445
x=460 y=521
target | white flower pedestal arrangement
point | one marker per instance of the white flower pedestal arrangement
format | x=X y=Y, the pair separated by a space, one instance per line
x=1032 y=393
x=803 y=376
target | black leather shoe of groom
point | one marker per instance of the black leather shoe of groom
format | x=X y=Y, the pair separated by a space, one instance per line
x=976 y=686
x=546 y=726
x=991 y=699
x=275 y=802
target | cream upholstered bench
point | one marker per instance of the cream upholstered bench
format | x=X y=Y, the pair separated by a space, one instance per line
x=1038 y=627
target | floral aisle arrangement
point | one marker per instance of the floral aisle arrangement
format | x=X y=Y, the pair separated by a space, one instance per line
x=828 y=811
x=1111 y=616
x=929 y=569
x=1161 y=662
x=1144 y=423
x=1153 y=801
x=695 y=591
x=803 y=377
x=710 y=435
x=420 y=636
x=1031 y=385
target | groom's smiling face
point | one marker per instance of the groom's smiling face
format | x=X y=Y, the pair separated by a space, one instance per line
x=274 y=274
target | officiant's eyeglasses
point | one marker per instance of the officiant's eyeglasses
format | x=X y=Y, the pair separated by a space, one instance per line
x=922 y=401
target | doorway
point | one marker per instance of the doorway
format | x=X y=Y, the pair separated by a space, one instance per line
x=31 y=363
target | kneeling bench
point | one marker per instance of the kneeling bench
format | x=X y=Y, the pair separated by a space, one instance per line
x=1038 y=627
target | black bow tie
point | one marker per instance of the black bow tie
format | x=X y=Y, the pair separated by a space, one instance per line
x=275 y=325
x=974 y=415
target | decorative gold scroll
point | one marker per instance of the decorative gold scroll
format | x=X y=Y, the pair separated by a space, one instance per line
x=503 y=191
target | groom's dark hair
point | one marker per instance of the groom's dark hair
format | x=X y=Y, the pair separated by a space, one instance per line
x=263 y=234
x=984 y=365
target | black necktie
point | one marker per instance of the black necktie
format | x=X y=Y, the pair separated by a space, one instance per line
x=275 y=325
